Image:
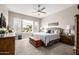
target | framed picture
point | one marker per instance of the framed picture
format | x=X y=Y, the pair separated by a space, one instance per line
x=53 y=24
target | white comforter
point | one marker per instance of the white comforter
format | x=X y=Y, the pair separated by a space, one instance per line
x=46 y=37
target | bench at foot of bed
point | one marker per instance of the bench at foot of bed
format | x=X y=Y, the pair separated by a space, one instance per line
x=35 y=42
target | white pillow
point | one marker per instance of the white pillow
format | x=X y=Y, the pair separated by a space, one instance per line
x=52 y=31
x=57 y=32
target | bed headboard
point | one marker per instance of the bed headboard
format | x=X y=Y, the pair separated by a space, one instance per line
x=60 y=30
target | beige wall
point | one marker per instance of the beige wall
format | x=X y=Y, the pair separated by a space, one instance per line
x=64 y=17
x=4 y=10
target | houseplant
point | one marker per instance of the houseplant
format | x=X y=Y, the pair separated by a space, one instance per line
x=2 y=30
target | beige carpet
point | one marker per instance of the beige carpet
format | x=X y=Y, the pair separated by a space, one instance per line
x=23 y=47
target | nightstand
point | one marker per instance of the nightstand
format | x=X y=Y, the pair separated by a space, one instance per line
x=67 y=39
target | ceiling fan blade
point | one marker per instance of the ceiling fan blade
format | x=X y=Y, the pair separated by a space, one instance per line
x=43 y=12
x=43 y=8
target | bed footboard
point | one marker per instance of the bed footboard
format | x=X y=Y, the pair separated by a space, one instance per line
x=52 y=42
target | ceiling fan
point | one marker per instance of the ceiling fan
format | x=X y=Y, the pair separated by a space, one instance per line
x=39 y=9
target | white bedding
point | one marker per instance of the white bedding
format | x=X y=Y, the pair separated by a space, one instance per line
x=46 y=37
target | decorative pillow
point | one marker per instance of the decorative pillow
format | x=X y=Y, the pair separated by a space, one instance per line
x=52 y=31
x=49 y=31
x=57 y=31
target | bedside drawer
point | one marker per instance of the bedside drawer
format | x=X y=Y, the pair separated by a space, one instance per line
x=67 y=40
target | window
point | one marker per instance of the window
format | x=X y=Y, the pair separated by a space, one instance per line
x=27 y=25
x=17 y=25
x=24 y=25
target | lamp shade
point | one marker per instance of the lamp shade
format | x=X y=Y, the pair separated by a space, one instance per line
x=68 y=27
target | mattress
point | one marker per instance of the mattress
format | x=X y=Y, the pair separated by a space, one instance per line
x=46 y=37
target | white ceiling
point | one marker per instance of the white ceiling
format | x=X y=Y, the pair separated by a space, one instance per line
x=27 y=9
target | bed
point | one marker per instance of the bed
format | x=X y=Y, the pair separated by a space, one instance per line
x=47 y=37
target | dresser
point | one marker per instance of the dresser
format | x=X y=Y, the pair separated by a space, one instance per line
x=67 y=39
x=7 y=44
